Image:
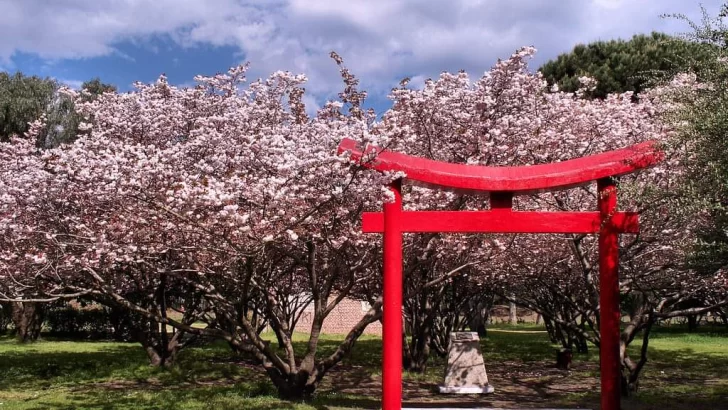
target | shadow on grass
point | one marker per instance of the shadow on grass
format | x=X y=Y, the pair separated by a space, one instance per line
x=686 y=366
x=117 y=376
x=31 y=368
x=247 y=396
x=56 y=363
x=218 y=398
x=336 y=401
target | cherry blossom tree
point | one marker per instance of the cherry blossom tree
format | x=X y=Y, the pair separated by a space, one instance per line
x=231 y=197
x=223 y=189
x=510 y=117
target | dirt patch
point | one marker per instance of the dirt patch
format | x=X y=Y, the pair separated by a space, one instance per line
x=533 y=384
x=517 y=384
x=537 y=384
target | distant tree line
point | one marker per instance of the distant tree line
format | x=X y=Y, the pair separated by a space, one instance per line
x=24 y=99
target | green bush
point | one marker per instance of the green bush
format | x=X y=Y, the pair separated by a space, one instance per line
x=5 y=317
x=87 y=323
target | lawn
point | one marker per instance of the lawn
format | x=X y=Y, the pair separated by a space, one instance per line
x=684 y=370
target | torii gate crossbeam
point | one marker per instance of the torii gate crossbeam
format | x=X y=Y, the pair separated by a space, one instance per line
x=502 y=183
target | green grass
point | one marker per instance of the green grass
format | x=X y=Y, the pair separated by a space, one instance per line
x=699 y=362
x=684 y=369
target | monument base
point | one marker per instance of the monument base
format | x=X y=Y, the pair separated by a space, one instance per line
x=487 y=389
x=465 y=372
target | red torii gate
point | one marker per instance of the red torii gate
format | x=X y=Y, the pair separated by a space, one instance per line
x=502 y=183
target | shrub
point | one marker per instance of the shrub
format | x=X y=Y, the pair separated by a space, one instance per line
x=5 y=317
x=91 y=322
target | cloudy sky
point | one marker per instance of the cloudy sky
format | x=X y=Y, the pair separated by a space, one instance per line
x=382 y=41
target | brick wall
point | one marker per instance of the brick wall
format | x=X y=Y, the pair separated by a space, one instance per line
x=340 y=321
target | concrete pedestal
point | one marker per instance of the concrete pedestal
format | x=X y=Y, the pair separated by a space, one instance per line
x=465 y=366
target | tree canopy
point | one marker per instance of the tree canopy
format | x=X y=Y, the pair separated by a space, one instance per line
x=95 y=87
x=22 y=100
x=701 y=118
x=62 y=120
x=624 y=65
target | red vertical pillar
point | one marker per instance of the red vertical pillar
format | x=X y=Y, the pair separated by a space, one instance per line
x=609 y=313
x=392 y=326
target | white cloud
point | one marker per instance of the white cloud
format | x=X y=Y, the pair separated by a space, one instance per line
x=311 y=104
x=380 y=40
x=75 y=84
x=609 y=4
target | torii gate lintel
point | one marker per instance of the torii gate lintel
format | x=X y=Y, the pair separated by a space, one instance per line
x=502 y=183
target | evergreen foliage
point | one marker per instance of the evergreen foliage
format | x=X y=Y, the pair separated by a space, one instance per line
x=703 y=132
x=620 y=66
x=22 y=100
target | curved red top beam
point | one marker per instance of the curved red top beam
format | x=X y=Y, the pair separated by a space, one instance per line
x=522 y=179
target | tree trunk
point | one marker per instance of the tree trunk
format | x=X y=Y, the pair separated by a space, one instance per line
x=418 y=352
x=295 y=387
x=578 y=339
x=550 y=329
x=581 y=344
x=478 y=320
x=692 y=323
x=631 y=370
x=295 y=392
x=279 y=337
x=512 y=313
x=161 y=355
x=480 y=328
x=563 y=359
x=28 y=321
x=416 y=361
x=6 y=310
x=157 y=358
x=160 y=349
x=723 y=315
x=416 y=364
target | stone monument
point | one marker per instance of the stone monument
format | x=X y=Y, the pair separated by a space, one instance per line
x=465 y=366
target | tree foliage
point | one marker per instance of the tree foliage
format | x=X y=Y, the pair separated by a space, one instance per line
x=700 y=115
x=620 y=66
x=96 y=87
x=22 y=100
x=62 y=120
x=232 y=192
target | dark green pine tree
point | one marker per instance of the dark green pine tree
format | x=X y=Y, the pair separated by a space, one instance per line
x=95 y=88
x=620 y=66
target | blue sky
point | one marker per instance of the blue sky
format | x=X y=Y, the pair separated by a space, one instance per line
x=382 y=41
